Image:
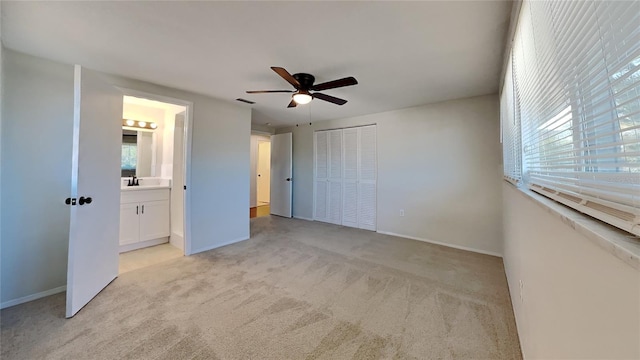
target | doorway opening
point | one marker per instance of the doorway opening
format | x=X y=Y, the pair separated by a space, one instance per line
x=152 y=182
x=260 y=175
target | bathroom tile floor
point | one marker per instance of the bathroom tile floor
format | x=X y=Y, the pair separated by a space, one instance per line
x=137 y=259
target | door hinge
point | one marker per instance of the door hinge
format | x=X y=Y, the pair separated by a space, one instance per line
x=70 y=201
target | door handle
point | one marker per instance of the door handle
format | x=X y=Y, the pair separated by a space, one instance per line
x=137 y=206
x=258 y=175
x=288 y=179
x=143 y=209
x=84 y=200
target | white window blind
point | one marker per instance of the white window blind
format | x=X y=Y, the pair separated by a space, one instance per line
x=576 y=92
x=510 y=130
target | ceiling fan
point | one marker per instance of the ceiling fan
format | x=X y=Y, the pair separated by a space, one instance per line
x=303 y=84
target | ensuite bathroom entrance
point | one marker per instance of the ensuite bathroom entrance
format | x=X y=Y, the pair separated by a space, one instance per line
x=260 y=188
x=151 y=183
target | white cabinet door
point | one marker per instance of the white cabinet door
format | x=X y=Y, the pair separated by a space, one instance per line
x=154 y=220
x=129 y=223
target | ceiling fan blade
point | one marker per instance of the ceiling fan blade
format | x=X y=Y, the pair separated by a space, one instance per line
x=348 y=81
x=285 y=75
x=292 y=104
x=329 y=98
x=268 y=91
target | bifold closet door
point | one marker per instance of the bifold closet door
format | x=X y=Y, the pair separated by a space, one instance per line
x=334 y=198
x=367 y=177
x=328 y=176
x=350 y=177
x=321 y=163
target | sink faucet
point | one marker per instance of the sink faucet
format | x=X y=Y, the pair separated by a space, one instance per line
x=133 y=181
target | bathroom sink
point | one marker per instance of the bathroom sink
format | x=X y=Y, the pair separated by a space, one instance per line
x=146 y=184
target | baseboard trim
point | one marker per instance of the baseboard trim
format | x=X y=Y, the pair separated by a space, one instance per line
x=177 y=241
x=219 y=245
x=442 y=243
x=32 y=297
x=302 y=218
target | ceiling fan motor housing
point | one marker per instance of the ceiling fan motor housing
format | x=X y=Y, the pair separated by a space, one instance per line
x=305 y=80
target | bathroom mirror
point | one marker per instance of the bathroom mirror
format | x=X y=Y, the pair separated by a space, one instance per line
x=138 y=157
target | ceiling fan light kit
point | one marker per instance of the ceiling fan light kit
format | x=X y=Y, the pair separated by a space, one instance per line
x=303 y=83
x=302 y=98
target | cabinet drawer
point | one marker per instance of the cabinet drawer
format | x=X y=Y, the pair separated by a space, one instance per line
x=135 y=196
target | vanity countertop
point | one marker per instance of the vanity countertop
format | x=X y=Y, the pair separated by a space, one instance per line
x=145 y=187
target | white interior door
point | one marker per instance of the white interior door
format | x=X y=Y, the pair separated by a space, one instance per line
x=281 y=174
x=94 y=225
x=264 y=171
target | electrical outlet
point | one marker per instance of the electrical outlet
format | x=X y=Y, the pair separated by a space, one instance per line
x=521 y=288
x=401 y=212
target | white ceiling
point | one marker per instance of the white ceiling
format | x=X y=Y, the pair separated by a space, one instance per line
x=402 y=53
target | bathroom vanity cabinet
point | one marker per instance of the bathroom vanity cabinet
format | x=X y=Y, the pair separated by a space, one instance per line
x=144 y=218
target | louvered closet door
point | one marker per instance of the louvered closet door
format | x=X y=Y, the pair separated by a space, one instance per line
x=334 y=198
x=350 y=177
x=367 y=177
x=321 y=211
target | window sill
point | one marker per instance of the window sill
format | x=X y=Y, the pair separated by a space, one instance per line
x=619 y=243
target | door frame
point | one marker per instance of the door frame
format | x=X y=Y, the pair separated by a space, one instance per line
x=258 y=166
x=187 y=142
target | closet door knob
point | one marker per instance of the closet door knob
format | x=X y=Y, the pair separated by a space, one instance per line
x=84 y=200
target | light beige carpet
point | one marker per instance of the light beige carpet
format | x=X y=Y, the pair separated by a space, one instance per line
x=296 y=290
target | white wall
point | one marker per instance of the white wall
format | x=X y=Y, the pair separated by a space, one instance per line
x=219 y=166
x=438 y=162
x=37 y=117
x=579 y=301
x=38 y=110
x=253 y=200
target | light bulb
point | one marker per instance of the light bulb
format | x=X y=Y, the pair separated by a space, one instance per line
x=142 y=124
x=130 y=122
x=153 y=125
x=302 y=99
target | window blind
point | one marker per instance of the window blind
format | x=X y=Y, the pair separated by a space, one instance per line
x=576 y=93
x=510 y=130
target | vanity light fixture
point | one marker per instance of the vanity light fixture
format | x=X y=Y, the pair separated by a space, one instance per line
x=139 y=125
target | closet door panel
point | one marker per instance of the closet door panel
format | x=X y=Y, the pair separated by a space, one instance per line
x=321 y=169
x=335 y=157
x=350 y=177
x=367 y=153
x=322 y=155
x=350 y=150
x=367 y=177
x=335 y=202
x=367 y=206
x=350 y=204
x=320 y=207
